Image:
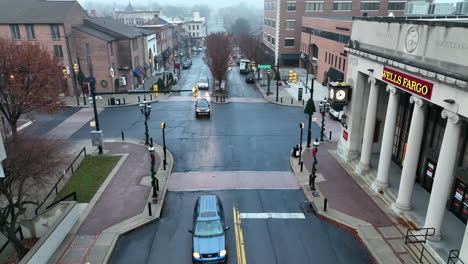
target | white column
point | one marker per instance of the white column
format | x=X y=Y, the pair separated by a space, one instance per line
x=369 y=126
x=408 y=174
x=464 y=247
x=381 y=182
x=444 y=174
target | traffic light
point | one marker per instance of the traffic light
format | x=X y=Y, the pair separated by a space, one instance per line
x=293 y=76
x=156 y=89
x=230 y=64
x=76 y=67
x=253 y=64
x=65 y=73
x=195 y=91
x=85 y=87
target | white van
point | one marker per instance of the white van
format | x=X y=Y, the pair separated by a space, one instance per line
x=244 y=66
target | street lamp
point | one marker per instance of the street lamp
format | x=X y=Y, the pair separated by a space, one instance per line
x=145 y=109
x=163 y=126
x=314 y=169
x=301 y=126
x=154 y=180
x=324 y=107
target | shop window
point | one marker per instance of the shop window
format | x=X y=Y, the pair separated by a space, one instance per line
x=459 y=204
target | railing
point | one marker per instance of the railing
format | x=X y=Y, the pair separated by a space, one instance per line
x=55 y=188
x=63 y=199
x=8 y=241
x=415 y=241
x=453 y=257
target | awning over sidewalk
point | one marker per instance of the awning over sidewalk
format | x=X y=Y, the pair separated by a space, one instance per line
x=137 y=72
x=335 y=74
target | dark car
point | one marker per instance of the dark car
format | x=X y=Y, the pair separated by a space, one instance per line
x=186 y=64
x=202 y=107
x=250 y=78
x=208 y=231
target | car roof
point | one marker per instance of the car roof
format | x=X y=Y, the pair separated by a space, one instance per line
x=202 y=99
x=208 y=207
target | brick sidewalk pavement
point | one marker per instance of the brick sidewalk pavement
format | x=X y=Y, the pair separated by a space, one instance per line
x=351 y=204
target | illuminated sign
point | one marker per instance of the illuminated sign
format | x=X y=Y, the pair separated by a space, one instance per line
x=408 y=83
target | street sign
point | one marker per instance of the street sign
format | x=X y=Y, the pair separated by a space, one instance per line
x=304 y=84
x=264 y=66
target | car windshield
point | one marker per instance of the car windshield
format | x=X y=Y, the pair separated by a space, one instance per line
x=202 y=103
x=202 y=80
x=208 y=228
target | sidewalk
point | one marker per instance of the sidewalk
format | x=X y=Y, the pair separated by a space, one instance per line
x=352 y=204
x=119 y=206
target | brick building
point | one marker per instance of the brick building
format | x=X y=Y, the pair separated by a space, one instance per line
x=163 y=31
x=282 y=20
x=324 y=40
x=112 y=52
x=46 y=23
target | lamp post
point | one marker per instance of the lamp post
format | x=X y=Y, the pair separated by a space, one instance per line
x=163 y=126
x=313 y=176
x=93 y=95
x=154 y=180
x=301 y=126
x=145 y=109
x=324 y=107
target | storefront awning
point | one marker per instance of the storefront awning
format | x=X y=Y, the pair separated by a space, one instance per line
x=291 y=56
x=335 y=74
x=137 y=72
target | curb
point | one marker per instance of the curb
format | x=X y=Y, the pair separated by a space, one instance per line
x=157 y=213
x=267 y=98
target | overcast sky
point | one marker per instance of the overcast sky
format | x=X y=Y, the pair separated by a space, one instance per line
x=211 y=3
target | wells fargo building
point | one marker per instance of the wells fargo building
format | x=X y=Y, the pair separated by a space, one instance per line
x=407 y=119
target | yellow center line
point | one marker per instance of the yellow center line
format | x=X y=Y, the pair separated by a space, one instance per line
x=239 y=237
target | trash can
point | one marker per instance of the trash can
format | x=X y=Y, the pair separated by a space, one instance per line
x=112 y=101
x=295 y=151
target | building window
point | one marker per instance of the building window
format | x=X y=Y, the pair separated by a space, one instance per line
x=396 y=6
x=326 y=34
x=291 y=6
x=314 y=6
x=370 y=6
x=135 y=44
x=273 y=40
x=289 y=42
x=342 y=6
x=344 y=64
x=339 y=63
x=198 y=27
x=326 y=56
x=291 y=24
x=88 y=49
x=111 y=47
x=136 y=61
x=15 y=32
x=273 y=23
x=30 y=32
x=58 y=51
x=55 y=32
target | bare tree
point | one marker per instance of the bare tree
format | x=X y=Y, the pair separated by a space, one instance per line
x=30 y=165
x=30 y=80
x=254 y=49
x=218 y=51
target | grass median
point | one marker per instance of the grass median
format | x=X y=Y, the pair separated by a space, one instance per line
x=89 y=176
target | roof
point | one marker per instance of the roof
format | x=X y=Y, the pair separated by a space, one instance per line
x=156 y=21
x=112 y=27
x=343 y=18
x=93 y=32
x=444 y=21
x=35 y=11
x=145 y=32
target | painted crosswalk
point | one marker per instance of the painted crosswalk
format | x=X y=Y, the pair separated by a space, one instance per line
x=272 y=215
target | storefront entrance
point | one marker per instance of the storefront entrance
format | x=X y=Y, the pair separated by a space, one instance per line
x=404 y=114
x=459 y=205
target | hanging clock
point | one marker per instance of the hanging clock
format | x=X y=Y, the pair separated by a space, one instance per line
x=339 y=93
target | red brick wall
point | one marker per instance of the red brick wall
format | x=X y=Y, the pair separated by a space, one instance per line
x=326 y=47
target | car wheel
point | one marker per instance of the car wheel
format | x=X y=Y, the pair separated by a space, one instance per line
x=209 y=115
x=196 y=115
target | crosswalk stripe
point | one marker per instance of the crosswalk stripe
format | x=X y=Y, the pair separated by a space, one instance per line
x=273 y=215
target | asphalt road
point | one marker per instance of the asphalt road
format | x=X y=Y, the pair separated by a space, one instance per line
x=238 y=137
x=269 y=241
x=43 y=123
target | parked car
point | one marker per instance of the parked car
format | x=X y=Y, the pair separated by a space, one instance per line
x=186 y=64
x=203 y=83
x=336 y=112
x=250 y=78
x=202 y=107
x=208 y=231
